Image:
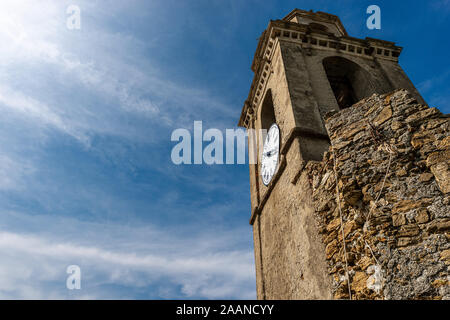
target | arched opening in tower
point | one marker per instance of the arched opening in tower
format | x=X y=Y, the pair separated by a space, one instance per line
x=349 y=82
x=267 y=111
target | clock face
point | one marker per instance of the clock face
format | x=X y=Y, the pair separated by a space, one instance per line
x=269 y=157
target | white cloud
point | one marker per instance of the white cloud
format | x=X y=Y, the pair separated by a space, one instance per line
x=13 y=172
x=33 y=266
x=435 y=81
x=114 y=68
x=28 y=107
x=441 y=5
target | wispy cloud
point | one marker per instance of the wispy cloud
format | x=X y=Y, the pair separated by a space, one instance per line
x=204 y=266
x=12 y=173
x=437 y=80
x=27 y=107
x=110 y=67
x=443 y=5
x=437 y=98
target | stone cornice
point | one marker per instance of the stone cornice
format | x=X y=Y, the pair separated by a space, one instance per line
x=318 y=16
x=281 y=30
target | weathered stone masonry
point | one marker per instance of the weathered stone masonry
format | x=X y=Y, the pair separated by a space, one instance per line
x=396 y=232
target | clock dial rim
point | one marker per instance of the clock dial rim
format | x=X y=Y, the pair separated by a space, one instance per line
x=264 y=159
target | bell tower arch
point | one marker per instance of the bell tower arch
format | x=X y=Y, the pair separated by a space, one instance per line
x=349 y=81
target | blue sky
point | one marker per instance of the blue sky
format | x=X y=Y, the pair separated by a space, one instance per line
x=86 y=117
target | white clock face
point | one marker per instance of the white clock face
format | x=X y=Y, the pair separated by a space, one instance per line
x=269 y=157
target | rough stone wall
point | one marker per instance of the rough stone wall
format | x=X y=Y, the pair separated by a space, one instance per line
x=392 y=162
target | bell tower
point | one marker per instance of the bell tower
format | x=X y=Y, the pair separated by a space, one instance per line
x=305 y=66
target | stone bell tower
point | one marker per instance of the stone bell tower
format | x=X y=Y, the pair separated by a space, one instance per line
x=305 y=66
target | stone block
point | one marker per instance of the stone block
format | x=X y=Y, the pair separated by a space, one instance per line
x=442 y=174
